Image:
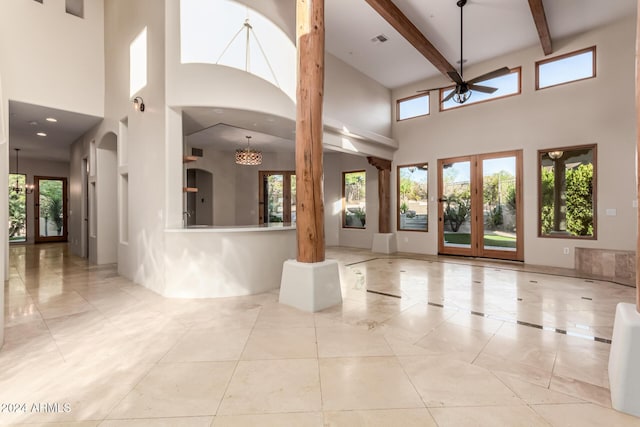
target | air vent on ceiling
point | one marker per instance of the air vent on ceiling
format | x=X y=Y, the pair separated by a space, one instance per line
x=380 y=38
x=196 y=152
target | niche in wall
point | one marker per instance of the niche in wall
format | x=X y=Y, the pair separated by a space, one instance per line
x=75 y=7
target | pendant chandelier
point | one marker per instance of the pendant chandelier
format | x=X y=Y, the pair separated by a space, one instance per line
x=16 y=188
x=248 y=156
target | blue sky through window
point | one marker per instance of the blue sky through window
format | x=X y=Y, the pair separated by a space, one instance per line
x=413 y=107
x=208 y=27
x=568 y=69
x=507 y=85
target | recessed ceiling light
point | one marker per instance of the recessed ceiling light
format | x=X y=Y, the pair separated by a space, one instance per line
x=33 y=123
x=41 y=134
x=51 y=119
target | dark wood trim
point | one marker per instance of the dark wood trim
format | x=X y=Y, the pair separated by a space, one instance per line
x=36 y=208
x=563 y=56
x=637 y=158
x=384 y=192
x=398 y=20
x=594 y=160
x=417 y=165
x=344 y=201
x=518 y=255
x=540 y=19
x=441 y=92
x=378 y=163
x=286 y=194
x=420 y=95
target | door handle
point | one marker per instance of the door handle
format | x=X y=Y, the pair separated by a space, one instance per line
x=443 y=199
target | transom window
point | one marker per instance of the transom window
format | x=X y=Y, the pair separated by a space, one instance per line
x=354 y=199
x=413 y=106
x=574 y=66
x=507 y=85
x=567 y=197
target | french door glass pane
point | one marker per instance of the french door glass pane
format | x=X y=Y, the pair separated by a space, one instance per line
x=51 y=207
x=293 y=198
x=275 y=197
x=499 y=203
x=17 y=208
x=457 y=204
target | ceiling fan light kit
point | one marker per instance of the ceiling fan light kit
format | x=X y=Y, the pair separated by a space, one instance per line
x=463 y=90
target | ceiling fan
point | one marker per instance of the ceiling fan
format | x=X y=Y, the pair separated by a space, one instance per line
x=463 y=88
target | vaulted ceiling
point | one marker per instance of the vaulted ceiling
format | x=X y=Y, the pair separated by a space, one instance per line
x=491 y=28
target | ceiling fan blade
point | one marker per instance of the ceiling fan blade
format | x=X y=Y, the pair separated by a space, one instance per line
x=483 y=89
x=455 y=76
x=448 y=97
x=491 y=75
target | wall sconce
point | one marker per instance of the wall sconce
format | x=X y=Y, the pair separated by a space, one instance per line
x=138 y=103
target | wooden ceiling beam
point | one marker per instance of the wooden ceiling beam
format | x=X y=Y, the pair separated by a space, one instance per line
x=398 y=20
x=540 y=19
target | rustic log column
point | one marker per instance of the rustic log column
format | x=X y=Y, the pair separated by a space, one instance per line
x=310 y=282
x=638 y=154
x=309 y=197
x=384 y=193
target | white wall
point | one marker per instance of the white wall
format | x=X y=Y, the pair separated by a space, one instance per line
x=51 y=58
x=38 y=167
x=355 y=99
x=599 y=110
x=44 y=67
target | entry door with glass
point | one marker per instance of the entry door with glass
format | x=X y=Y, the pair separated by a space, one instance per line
x=277 y=194
x=50 y=209
x=480 y=206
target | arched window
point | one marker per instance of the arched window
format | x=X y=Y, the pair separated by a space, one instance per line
x=227 y=33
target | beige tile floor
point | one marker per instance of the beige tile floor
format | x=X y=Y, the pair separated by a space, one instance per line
x=448 y=352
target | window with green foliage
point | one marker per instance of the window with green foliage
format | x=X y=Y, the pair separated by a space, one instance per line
x=413 y=197
x=17 y=208
x=354 y=199
x=567 y=197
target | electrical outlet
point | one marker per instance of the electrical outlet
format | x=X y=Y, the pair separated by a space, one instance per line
x=565 y=251
x=406 y=240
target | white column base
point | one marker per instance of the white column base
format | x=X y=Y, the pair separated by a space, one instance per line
x=310 y=286
x=384 y=243
x=624 y=360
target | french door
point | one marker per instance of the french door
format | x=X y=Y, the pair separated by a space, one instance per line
x=50 y=209
x=277 y=197
x=480 y=206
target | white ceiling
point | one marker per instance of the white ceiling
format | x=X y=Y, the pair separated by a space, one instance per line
x=26 y=120
x=491 y=28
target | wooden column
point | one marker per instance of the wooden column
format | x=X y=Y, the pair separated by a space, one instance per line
x=384 y=193
x=310 y=92
x=638 y=154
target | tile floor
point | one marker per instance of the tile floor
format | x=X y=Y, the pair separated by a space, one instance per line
x=443 y=342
